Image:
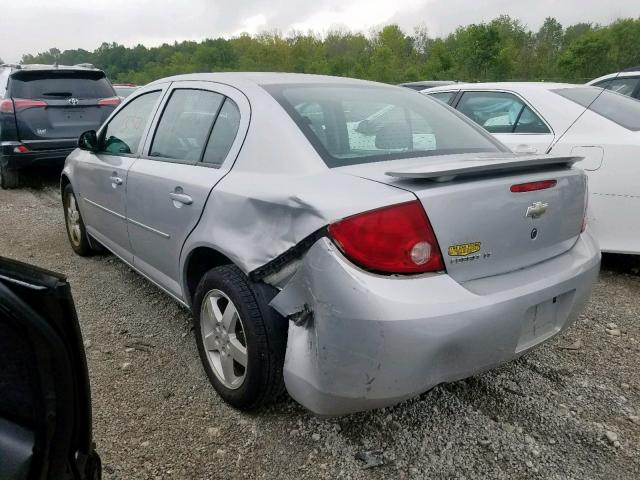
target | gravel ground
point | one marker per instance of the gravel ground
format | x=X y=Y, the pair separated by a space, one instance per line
x=568 y=410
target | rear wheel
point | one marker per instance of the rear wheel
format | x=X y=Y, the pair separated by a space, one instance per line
x=241 y=340
x=76 y=231
x=9 y=178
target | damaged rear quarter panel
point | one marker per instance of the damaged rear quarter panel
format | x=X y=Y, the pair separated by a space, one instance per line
x=253 y=218
x=278 y=192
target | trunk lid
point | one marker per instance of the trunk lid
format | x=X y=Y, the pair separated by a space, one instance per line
x=482 y=227
x=52 y=106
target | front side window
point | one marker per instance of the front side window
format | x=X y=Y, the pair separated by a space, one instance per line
x=185 y=124
x=223 y=134
x=620 y=109
x=500 y=112
x=122 y=135
x=349 y=124
x=623 y=86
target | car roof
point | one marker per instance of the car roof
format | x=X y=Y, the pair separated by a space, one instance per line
x=627 y=72
x=508 y=86
x=428 y=83
x=267 y=78
x=42 y=67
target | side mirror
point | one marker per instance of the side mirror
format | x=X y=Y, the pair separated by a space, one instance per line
x=88 y=141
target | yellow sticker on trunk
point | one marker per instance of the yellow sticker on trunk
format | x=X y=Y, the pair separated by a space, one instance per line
x=463 y=249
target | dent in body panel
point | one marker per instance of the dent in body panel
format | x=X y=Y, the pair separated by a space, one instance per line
x=321 y=299
x=370 y=340
x=253 y=218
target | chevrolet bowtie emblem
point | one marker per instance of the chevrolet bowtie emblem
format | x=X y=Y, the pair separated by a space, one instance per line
x=536 y=209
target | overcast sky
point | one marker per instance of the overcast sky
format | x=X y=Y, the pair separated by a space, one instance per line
x=31 y=26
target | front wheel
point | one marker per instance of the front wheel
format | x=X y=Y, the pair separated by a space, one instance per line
x=76 y=231
x=241 y=340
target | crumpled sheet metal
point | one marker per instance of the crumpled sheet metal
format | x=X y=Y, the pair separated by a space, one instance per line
x=373 y=340
x=252 y=218
x=331 y=367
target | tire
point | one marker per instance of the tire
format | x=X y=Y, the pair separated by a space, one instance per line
x=264 y=333
x=9 y=178
x=76 y=232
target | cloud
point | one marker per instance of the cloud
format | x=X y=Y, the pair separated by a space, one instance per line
x=31 y=26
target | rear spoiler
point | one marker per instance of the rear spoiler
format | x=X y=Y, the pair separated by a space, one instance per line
x=446 y=171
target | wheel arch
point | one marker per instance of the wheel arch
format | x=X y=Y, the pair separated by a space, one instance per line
x=197 y=262
x=64 y=181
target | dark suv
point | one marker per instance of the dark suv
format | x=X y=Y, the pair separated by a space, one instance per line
x=44 y=109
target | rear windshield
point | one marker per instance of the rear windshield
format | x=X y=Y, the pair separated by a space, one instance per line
x=60 y=84
x=124 y=91
x=620 y=109
x=348 y=125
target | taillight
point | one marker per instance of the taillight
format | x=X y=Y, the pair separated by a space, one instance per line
x=24 y=103
x=6 y=106
x=395 y=239
x=21 y=149
x=109 y=102
x=533 y=186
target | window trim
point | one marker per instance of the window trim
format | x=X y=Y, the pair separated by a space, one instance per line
x=201 y=162
x=147 y=151
x=451 y=101
x=103 y=128
x=232 y=93
x=511 y=92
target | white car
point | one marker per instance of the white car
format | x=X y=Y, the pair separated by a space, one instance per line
x=563 y=119
x=626 y=82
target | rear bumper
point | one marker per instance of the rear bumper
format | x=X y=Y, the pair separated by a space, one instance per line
x=33 y=158
x=374 y=340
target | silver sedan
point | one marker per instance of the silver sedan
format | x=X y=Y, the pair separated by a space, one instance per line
x=354 y=242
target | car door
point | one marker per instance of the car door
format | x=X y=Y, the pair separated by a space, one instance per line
x=99 y=179
x=45 y=399
x=194 y=143
x=509 y=118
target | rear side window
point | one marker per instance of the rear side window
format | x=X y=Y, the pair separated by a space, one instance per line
x=55 y=84
x=443 y=96
x=223 y=134
x=500 y=112
x=618 y=108
x=623 y=85
x=122 y=135
x=185 y=124
x=350 y=124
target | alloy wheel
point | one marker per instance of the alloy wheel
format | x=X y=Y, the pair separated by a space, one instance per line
x=73 y=221
x=224 y=339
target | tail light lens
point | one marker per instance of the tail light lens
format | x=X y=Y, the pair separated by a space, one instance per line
x=533 y=186
x=6 y=106
x=24 y=103
x=395 y=239
x=10 y=106
x=21 y=149
x=109 y=102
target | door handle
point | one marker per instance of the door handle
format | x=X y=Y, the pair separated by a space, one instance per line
x=181 y=198
x=115 y=180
